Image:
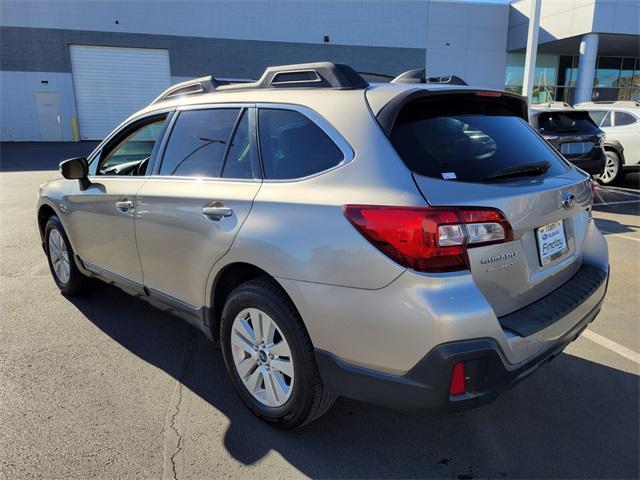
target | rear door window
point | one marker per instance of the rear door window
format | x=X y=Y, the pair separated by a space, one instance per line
x=241 y=162
x=566 y=122
x=467 y=147
x=198 y=142
x=606 y=121
x=293 y=146
x=602 y=118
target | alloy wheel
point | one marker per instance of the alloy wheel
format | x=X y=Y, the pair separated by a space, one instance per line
x=59 y=256
x=610 y=170
x=262 y=357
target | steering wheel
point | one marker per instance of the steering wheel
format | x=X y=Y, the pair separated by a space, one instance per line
x=141 y=168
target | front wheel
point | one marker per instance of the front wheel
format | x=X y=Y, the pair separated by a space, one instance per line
x=270 y=358
x=63 y=268
x=612 y=169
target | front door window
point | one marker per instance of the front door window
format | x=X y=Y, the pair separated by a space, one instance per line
x=129 y=152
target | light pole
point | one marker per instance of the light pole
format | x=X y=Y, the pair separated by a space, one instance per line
x=532 y=49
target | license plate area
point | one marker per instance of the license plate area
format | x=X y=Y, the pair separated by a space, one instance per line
x=552 y=242
x=575 y=148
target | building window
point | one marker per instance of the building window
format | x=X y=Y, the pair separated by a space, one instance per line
x=616 y=78
x=545 y=77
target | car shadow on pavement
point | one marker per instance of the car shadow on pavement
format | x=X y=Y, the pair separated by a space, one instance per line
x=608 y=226
x=573 y=418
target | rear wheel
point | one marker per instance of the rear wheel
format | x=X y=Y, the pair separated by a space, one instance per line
x=612 y=169
x=270 y=358
x=63 y=268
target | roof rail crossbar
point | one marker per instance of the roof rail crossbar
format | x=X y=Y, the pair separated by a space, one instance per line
x=419 y=75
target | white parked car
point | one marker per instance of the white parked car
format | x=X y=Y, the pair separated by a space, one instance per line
x=620 y=121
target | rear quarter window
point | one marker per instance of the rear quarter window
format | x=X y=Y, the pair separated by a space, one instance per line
x=624 y=118
x=293 y=146
x=467 y=147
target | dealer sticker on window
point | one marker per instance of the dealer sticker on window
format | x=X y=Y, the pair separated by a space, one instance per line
x=552 y=242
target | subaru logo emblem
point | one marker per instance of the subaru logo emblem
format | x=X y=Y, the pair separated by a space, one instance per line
x=569 y=200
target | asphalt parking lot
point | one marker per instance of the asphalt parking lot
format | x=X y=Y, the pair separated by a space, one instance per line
x=105 y=386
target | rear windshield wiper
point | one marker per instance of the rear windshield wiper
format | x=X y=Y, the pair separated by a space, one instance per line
x=535 y=168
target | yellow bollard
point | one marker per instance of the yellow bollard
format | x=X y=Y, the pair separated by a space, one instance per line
x=74 y=129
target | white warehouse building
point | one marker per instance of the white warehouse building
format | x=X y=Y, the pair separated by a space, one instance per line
x=72 y=69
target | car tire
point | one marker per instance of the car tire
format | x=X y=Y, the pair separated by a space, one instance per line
x=284 y=394
x=612 y=169
x=61 y=260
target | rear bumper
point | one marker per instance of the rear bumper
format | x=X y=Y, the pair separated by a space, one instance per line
x=592 y=162
x=426 y=386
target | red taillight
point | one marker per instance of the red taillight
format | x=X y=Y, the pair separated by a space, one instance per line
x=592 y=186
x=488 y=94
x=429 y=239
x=457 y=386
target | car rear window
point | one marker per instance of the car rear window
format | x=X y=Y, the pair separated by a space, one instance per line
x=569 y=122
x=467 y=147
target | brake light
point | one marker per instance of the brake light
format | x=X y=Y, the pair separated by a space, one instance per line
x=429 y=239
x=488 y=94
x=457 y=386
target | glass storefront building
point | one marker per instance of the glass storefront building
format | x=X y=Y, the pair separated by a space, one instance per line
x=617 y=78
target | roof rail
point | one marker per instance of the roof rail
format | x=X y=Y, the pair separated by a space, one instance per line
x=419 y=75
x=616 y=103
x=306 y=75
x=190 y=87
x=551 y=104
x=377 y=77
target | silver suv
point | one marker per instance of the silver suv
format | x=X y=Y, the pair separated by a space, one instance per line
x=620 y=121
x=412 y=245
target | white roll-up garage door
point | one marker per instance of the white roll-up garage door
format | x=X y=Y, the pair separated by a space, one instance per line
x=111 y=83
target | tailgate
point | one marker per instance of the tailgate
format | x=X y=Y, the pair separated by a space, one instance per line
x=512 y=275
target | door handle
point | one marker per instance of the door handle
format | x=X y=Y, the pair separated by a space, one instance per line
x=124 y=205
x=216 y=211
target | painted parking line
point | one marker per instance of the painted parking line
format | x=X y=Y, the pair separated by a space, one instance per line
x=620 y=202
x=622 y=189
x=600 y=198
x=613 y=346
x=626 y=192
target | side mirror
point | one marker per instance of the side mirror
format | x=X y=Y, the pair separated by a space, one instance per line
x=76 y=169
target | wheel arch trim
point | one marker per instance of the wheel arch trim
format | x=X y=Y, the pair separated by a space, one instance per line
x=616 y=147
x=214 y=306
